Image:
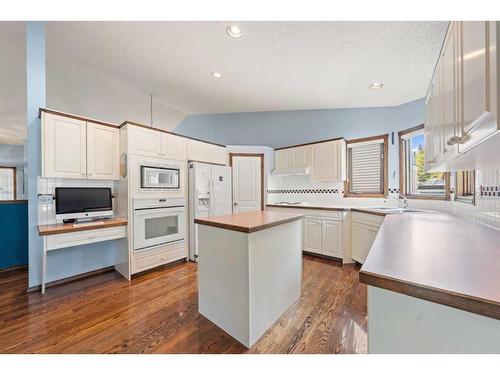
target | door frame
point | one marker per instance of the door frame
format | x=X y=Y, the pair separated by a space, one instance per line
x=248 y=154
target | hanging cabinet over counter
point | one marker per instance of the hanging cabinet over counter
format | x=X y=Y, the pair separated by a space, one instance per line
x=461 y=127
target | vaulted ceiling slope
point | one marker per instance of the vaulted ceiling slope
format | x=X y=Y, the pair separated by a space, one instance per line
x=274 y=66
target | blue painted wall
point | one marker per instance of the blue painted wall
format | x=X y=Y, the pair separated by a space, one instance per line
x=277 y=129
x=13 y=234
x=64 y=262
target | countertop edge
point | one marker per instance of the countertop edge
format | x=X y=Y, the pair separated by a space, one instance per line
x=340 y=209
x=459 y=301
x=59 y=229
x=245 y=229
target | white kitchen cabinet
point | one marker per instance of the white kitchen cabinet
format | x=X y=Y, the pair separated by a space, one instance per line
x=145 y=142
x=364 y=231
x=461 y=105
x=312 y=235
x=329 y=161
x=103 y=151
x=292 y=157
x=282 y=158
x=196 y=150
x=173 y=146
x=331 y=238
x=64 y=147
x=217 y=154
x=206 y=152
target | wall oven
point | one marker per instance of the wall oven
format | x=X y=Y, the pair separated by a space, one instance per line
x=158 y=221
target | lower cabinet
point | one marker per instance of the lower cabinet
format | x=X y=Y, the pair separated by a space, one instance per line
x=158 y=256
x=323 y=236
x=364 y=232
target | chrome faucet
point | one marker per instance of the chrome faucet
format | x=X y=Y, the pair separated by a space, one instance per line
x=402 y=200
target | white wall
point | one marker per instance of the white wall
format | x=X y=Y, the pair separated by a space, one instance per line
x=87 y=91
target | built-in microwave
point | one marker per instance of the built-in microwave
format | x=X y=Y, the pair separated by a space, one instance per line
x=160 y=178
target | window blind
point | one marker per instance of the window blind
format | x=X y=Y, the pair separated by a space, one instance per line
x=366 y=167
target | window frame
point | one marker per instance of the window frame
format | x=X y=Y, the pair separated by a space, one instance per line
x=467 y=193
x=403 y=172
x=14 y=182
x=385 y=166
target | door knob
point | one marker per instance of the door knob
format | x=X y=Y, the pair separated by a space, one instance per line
x=235 y=203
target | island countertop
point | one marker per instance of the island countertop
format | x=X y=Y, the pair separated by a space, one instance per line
x=249 y=222
x=437 y=257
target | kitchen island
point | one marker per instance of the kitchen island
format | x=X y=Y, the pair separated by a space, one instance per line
x=433 y=286
x=249 y=271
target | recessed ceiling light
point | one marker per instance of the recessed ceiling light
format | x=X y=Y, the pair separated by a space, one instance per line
x=216 y=75
x=376 y=85
x=234 y=31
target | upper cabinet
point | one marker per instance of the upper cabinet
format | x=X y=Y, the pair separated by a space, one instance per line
x=461 y=104
x=103 y=152
x=329 y=161
x=64 y=147
x=173 y=146
x=74 y=148
x=292 y=157
x=206 y=152
x=145 y=142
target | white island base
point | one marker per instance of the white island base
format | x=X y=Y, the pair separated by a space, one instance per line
x=247 y=281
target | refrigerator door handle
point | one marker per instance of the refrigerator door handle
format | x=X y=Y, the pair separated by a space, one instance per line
x=212 y=196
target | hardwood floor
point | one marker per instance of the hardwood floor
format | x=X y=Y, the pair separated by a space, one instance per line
x=158 y=313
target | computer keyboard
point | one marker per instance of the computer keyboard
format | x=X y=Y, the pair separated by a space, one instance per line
x=87 y=224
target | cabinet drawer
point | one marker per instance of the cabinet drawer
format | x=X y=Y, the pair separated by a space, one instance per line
x=160 y=255
x=59 y=241
x=334 y=215
x=376 y=220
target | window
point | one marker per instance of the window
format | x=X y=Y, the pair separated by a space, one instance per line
x=414 y=180
x=7 y=183
x=465 y=185
x=367 y=167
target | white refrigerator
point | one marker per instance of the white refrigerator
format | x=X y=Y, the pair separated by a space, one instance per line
x=210 y=194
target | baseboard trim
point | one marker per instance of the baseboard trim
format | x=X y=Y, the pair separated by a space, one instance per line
x=175 y=262
x=14 y=268
x=70 y=279
x=322 y=256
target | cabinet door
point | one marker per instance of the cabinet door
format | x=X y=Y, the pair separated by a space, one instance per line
x=217 y=154
x=450 y=91
x=173 y=147
x=145 y=142
x=332 y=238
x=328 y=161
x=478 y=80
x=103 y=152
x=363 y=236
x=197 y=150
x=312 y=235
x=282 y=158
x=64 y=151
x=300 y=156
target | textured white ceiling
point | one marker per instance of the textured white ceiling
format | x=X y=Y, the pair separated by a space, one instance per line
x=273 y=66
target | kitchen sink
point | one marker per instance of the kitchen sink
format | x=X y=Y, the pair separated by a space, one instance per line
x=396 y=210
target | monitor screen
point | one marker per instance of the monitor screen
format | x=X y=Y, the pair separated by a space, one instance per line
x=76 y=200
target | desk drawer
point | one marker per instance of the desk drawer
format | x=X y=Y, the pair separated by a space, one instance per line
x=58 y=241
x=158 y=256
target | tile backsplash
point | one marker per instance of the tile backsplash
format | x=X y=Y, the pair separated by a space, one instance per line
x=300 y=189
x=46 y=190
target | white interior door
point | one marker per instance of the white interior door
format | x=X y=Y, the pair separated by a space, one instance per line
x=247 y=182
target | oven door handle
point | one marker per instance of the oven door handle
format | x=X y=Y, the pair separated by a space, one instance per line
x=149 y=211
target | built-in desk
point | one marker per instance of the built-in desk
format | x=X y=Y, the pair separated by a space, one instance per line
x=58 y=236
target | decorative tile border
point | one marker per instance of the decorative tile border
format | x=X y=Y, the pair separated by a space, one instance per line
x=490 y=191
x=305 y=191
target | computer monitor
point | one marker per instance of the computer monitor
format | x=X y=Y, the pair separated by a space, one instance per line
x=80 y=202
